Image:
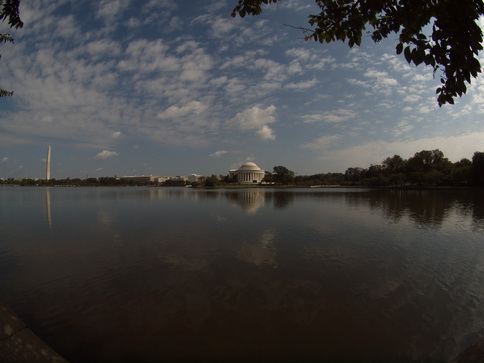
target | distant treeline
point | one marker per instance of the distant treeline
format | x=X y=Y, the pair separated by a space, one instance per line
x=89 y=182
x=427 y=168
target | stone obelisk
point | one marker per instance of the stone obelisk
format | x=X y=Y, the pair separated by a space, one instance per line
x=47 y=164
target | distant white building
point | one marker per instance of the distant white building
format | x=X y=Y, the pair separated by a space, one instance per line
x=248 y=173
x=150 y=179
x=192 y=178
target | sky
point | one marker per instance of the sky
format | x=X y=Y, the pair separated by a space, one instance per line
x=179 y=87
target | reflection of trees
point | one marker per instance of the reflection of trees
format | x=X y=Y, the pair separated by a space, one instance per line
x=282 y=199
x=473 y=204
x=423 y=207
x=184 y=290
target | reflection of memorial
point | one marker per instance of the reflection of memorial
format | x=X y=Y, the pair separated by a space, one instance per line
x=168 y=280
x=249 y=200
x=48 y=208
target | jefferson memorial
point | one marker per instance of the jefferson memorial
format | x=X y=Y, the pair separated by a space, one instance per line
x=248 y=173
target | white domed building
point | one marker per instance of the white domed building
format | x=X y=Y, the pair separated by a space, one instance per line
x=248 y=173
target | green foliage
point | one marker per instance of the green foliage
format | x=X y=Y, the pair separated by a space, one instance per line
x=282 y=175
x=174 y=183
x=451 y=49
x=10 y=12
x=268 y=177
x=478 y=168
x=250 y=7
x=323 y=179
x=212 y=181
x=427 y=168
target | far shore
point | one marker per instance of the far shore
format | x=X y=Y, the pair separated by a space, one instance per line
x=262 y=186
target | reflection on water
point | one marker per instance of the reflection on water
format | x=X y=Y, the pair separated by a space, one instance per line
x=48 y=209
x=173 y=273
x=249 y=201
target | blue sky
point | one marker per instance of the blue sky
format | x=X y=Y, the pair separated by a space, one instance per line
x=175 y=87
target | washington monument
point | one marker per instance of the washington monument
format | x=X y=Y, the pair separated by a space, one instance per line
x=47 y=164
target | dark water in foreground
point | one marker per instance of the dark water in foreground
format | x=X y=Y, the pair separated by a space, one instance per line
x=175 y=274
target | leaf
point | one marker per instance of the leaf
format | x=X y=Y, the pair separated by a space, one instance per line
x=408 y=54
x=416 y=57
x=399 y=48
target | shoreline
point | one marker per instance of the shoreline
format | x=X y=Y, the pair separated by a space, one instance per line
x=19 y=344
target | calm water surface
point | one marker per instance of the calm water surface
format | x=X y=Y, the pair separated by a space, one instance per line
x=182 y=274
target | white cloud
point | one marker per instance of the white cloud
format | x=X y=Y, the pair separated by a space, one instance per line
x=265 y=133
x=222 y=26
x=91 y=84
x=322 y=142
x=254 y=117
x=402 y=127
x=103 y=47
x=105 y=154
x=302 y=85
x=172 y=112
x=110 y=9
x=4 y=160
x=411 y=98
x=218 y=154
x=382 y=78
x=299 y=53
x=296 y=5
x=274 y=71
x=373 y=152
x=339 y=115
x=357 y=82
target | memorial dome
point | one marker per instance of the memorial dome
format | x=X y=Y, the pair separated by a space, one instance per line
x=249 y=166
x=248 y=173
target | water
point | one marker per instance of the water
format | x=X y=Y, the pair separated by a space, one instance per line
x=182 y=274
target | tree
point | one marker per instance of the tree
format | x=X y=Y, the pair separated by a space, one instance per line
x=429 y=167
x=451 y=49
x=354 y=175
x=212 y=181
x=394 y=164
x=462 y=172
x=10 y=11
x=268 y=177
x=478 y=167
x=282 y=175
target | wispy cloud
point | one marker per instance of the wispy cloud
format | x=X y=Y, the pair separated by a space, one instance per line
x=373 y=152
x=382 y=78
x=105 y=154
x=173 y=112
x=302 y=85
x=113 y=75
x=218 y=153
x=339 y=115
x=322 y=142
